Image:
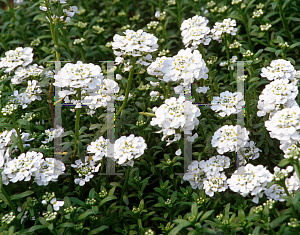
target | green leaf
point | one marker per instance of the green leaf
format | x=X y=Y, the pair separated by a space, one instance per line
x=85 y=214
x=21 y=195
x=278 y=221
x=182 y=224
x=194 y=209
x=294 y=45
x=23 y=122
x=37 y=227
x=43 y=221
x=108 y=198
x=277 y=53
x=271 y=49
x=98 y=230
x=77 y=201
x=206 y=215
x=125 y=200
x=66 y=225
x=280 y=39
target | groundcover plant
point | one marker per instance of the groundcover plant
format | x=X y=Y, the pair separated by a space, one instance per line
x=96 y=122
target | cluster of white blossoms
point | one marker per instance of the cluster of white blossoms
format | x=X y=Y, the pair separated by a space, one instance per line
x=207 y=174
x=292 y=183
x=229 y=138
x=253 y=179
x=32 y=164
x=228 y=103
x=127 y=149
x=284 y=126
x=265 y=27
x=251 y=152
x=185 y=67
x=52 y=133
x=174 y=119
x=18 y=57
x=85 y=170
x=227 y=26
x=278 y=93
x=21 y=73
x=133 y=44
x=228 y=63
x=98 y=148
x=101 y=96
x=195 y=31
x=70 y=12
x=279 y=69
x=79 y=75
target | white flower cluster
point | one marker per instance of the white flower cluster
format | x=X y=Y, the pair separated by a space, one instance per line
x=251 y=152
x=21 y=73
x=171 y=117
x=234 y=2
x=98 y=29
x=14 y=58
x=152 y=24
x=195 y=31
x=134 y=44
x=79 y=41
x=235 y=44
x=229 y=138
x=257 y=13
x=279 y=69
x=32 y=164
x=231 y=61
x=98 y=148
x=101 y=97
x=85 y=170
x=265 y=27
x=208 y=175
x=70 y=12
x=228 y=103
x=79 y=75
x=276 y=191
x=52 y=133
x=278 y=93
x=127 y=149
x=284 y=126
x=254 y=179
x=185 y=66
x=227 y=26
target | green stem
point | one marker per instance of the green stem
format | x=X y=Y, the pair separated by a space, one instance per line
x=11 y=9
x=147 y=114
x=77 y=124
x=207 y=118
x=288 y=194
x=12 y=206
x=179 y=15
x=228 y=59
x=282 y=17
x=81 y=53
x=297 y=167
x=125 y=184
x=100 y=176
x=209 y=69
x=18 y=133
x=128 y=87
x=167 y=95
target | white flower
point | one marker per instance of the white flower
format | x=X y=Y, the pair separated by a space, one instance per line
x=253 y=179
x=229 y=138
x=284 y=125
x=172 y=115
x=203 y=89
x=279 y=69
x=178 y=152
x=195 y=31
x=134 y=43
x=185 y=67
x=278 y=93
x=15 y=58
x=227 y=26
x=118 y=77
x=56 y=204
x=228 y=103
x=127 y=149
